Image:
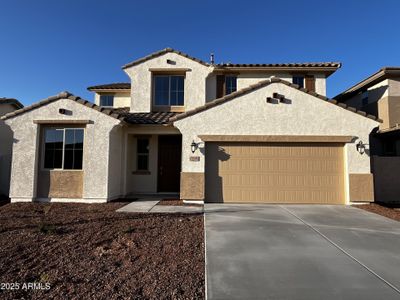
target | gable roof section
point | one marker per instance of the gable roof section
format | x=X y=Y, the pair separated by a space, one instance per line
x=162 y=52
x=262 y=84
x=111 y=86
x=11 y=101
x=371 y=80
x=62 y=95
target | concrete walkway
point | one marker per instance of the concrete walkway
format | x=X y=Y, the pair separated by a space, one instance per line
x=150 y=206
x=300 y=252
x=139 y=206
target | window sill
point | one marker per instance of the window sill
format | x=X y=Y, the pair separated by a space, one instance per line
x=166 y=108
x=141 y=172
x=61 y=170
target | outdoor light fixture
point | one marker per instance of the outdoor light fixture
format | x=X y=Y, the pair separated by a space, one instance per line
x=360 y=146
x=194 y=146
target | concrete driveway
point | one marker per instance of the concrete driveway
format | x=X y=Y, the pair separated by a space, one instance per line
x=300 y=252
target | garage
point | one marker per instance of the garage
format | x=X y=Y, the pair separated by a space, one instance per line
x=244 y=172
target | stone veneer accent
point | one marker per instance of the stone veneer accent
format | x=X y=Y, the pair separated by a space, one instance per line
x=361 y=187
x=192 y=186
x=60 y=184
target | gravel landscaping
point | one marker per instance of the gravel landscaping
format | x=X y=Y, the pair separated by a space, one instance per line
x=389 y=212
x=92 y=252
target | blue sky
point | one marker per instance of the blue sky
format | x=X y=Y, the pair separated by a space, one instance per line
x=51 y=46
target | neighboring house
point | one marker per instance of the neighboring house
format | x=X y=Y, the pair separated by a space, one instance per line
x=379 y=94
x=7 y=105
x=214 y=132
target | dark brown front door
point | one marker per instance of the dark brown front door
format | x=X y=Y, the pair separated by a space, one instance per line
x=169 y=162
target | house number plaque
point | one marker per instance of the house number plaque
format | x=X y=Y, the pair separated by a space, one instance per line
x=195 y=158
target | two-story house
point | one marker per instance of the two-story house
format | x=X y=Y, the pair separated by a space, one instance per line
x=7 y=105
x=211 y=132
x=379 y=94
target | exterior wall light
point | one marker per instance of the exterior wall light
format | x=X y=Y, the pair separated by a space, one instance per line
x=194 y=146
x=360 y=146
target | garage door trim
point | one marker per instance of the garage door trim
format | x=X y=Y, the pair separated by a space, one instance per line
x=279 y=138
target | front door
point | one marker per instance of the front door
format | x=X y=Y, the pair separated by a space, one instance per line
x=169 y=162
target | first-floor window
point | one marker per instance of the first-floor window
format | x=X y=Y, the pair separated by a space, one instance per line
x=142 y=154
x=63 y=148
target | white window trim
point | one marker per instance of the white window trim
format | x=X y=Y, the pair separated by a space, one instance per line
x=43 y=143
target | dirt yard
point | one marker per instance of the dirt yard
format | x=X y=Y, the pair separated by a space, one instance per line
x=91 y=252
x=389 y=212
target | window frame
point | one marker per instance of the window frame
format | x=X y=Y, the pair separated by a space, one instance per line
x=142 y=154
x=43 y=145
x=303 y=79
x=225 y=83
x=167 y=107
x=107 y=95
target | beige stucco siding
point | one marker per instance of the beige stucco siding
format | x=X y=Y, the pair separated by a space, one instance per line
x=6 y=137
x=121 y=99
x=251 y=115
x=141 y=80
x=116 y=163
x=96 y=158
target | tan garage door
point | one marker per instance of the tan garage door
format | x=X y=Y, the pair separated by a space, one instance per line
x=275 y=173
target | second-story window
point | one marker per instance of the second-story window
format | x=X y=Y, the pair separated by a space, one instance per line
x=107 y=100
x=364 y=98
x=169 y=90
x=230 y=84
x=299 y=80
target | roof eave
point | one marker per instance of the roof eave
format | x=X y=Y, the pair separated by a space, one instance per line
x=108 y=90
x=378 y=76
x=160 y=53
x=63 y=95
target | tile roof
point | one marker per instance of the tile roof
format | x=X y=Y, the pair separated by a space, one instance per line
x=62 y=95
x=262 y=84
x=145 y=118
x=288 y=65
x=111 y=86
x=162 y=52
x=11 y=101
x=121 y=114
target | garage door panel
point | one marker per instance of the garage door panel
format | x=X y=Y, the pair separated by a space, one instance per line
x=275 y=173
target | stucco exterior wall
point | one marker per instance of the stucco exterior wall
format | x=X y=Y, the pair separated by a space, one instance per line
x=121 y=99
x=96 y=149
x=6 y=137
x=116 y=163
x=141 y=80
x=251 y=115
x=375 y=93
